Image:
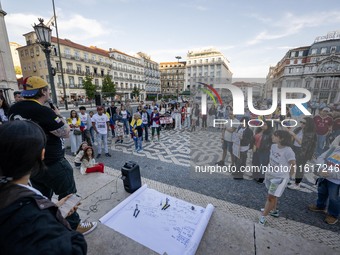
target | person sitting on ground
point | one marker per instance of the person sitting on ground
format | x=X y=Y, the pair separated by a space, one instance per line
x=88 y=163
x=80 y=153
x=30 y=223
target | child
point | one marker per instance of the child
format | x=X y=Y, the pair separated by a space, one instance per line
x=281 y=167
x=88 y=163
x=80 y=153
x=119 y=131
x=137 y=131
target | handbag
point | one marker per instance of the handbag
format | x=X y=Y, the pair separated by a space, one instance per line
x=76 y=132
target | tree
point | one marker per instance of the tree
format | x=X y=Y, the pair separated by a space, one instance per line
x=108 y=88
x=90 y=88
x=135 y=92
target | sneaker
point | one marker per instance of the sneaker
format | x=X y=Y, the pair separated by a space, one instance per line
x=86 y=227
x=294 y=186
x=262 y=220
x=140 y=151
x=98 y=156
x=220 y=163
x=331 y=220
x=107 y=154
x=314 y=208
x=274 y=213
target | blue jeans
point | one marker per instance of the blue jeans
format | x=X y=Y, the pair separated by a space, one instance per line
x=146 y=130
x=328 y=190
x=138 y=143
x=126 y=126
x=102 y=138
x=57 y=178
x=321 y=142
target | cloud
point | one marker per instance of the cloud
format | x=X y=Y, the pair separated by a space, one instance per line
x=75 y=27
x=290 y=24
x=201 y=8
x=82 y=28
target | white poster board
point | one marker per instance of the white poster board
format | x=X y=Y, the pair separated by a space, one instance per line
x=176 y=230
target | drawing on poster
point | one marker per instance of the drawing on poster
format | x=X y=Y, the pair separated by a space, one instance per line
x=160 y=222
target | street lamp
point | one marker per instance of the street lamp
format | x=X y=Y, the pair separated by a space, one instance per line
x=43 y=33
x=178 y=58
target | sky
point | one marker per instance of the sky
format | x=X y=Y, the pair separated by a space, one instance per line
x=252 y=35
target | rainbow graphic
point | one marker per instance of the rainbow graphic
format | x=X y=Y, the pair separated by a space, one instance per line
x=207 y=91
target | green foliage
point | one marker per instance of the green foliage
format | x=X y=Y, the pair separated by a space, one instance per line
x=89 y=87
x=108 y=88
x=135 y=92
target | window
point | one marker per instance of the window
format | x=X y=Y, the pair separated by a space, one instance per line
x=323 y=50
x=292 y=54
x=291 y=62
x=87 y=70
x=69 y=67
x=314 y=51
x=71 y=81
x=333 y=49
x=80 y=81
x=77 y=55
x=299 y=61
x=300 y=53
x=290 y=70
x=86 y=56
x=67 y=53
x=37 y=50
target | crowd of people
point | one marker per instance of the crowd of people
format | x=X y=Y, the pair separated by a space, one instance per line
x=36 y=168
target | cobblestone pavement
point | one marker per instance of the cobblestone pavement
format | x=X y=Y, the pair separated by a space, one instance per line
x=168 y=162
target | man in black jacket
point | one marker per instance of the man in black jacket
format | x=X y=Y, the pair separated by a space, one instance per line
x=58 y=178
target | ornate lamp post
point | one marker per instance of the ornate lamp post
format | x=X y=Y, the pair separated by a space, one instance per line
x=43 y=33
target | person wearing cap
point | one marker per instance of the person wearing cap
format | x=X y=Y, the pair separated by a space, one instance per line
x=58 y=178
x=146 y=123
x=100 y=123
x=323 y=125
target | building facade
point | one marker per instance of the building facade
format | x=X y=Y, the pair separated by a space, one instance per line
x=128 y=72
x=208 y=66
x=151 y=74
x=315 y=67
x=172 y=78
x=8 y=80
x=79 y=61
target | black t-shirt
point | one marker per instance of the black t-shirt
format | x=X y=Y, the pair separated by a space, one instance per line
x=47 y=120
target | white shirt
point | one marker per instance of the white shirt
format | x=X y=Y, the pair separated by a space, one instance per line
x=227 y=134
x=83 y=119
x=100 y=122
x=124 y=114
x=188 y=111
x=279 y=160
